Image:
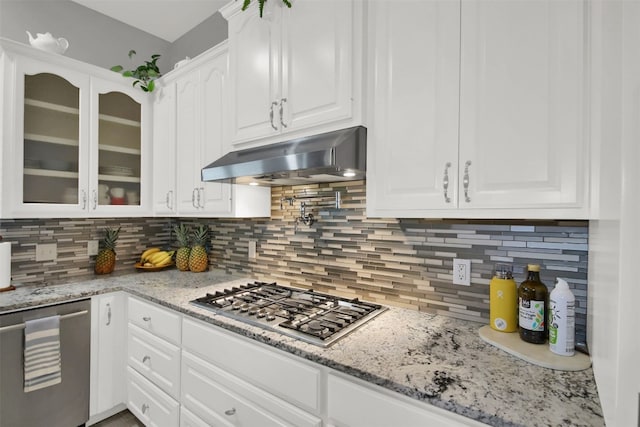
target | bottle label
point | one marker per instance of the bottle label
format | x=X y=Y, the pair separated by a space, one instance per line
x=531 y=314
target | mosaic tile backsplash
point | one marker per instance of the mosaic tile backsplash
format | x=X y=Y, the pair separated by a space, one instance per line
x=401 y=262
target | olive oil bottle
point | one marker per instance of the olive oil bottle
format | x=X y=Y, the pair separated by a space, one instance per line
x=533 y=298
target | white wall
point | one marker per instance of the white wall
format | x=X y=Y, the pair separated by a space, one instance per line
x=613 y=242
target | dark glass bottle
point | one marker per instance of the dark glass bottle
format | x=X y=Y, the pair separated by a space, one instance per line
x=533 y=297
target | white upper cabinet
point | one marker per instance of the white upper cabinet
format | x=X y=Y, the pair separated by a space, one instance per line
x=413 y=132
x=73 y=133
x=293 y=71
x=485 y=116
x=522 y=111
x=191 y=127
x=164 y=150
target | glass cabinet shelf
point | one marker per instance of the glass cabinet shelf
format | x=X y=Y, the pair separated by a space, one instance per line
x=50 y=173
x=51 y=106
x=51 y=139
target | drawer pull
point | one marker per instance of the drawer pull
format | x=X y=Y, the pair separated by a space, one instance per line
x=145 y=407
x=230 y=412
x=145 y=358
x=146 y=318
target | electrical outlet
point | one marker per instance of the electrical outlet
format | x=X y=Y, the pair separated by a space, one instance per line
x=252 y=249
x=462 y=272
x=92 y=247
x=46 y=251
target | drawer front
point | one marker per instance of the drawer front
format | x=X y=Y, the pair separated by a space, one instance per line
x=147 y=402
x=219 y=398
x=353 y=405
x=155 y=319
x=154 y=358
x=189 y=419
x=271 y=370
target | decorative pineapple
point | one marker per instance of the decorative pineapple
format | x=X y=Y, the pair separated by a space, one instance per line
x=106 y=258
x=182 y=256
x=198 y=259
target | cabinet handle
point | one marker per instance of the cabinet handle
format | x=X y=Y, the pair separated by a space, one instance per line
x=145 y=358
x=169 y=197
x=193 y=198
x=84 y=199
x=465 y=181
x=198 y=205
x=201 y=197
x=282 y=101
x=230 y=412
x=146 y=318
x=445 y=182
x=95 y=200
x=108 y=314
x=273 y=104
x=145 y=407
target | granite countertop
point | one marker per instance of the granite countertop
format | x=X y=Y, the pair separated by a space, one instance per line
x=431 y=358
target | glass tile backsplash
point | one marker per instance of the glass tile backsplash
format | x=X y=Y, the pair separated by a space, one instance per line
x=400 y=262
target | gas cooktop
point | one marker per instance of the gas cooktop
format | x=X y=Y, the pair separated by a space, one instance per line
x=310 y=316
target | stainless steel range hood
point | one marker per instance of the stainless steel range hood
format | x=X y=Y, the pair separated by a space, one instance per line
x=334 y=156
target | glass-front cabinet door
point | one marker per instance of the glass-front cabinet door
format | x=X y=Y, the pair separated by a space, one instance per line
x=119 y=150
x=118 y=138
x=50 y=148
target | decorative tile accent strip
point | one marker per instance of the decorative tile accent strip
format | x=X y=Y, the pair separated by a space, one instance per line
x=401 y=262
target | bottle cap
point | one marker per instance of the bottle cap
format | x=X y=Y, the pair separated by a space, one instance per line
x=562 y=285
x=504 y=271
x=533 y=267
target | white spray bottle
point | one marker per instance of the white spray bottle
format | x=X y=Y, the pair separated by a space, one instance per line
x=562 y=320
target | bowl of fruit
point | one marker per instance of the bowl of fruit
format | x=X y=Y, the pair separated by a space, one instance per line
x=155 y=259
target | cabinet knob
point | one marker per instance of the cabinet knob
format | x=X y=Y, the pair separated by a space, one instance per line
x=230 y=412
x=147 y=318
x=145 y=407
x=95 y=200
x=145 y=358
x=108 y=314
x=445 y=182
x=465 y=181
x=84 y=199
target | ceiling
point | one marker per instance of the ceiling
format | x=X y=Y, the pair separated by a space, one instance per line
x=167 y=19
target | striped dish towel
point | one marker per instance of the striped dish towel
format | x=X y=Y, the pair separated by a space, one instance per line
x=42 y=362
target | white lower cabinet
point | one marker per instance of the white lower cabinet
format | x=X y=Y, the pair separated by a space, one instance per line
x=188 y=373
x=220 y=398
x=149 y=404
x=153 y=363
x=285 y=377
x=351 y=404
x=108 y=343
x=156 y=359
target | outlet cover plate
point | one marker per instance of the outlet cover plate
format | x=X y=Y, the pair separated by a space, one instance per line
x=252 y=249
x=92 y=247
x=462 y=272
x=46 y=251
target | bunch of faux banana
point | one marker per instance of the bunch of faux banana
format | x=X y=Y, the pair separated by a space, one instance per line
x=154 y=257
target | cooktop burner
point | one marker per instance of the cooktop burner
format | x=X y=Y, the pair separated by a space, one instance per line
x=313 y=317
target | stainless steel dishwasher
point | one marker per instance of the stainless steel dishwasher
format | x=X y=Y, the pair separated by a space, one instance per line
x=61 y=405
